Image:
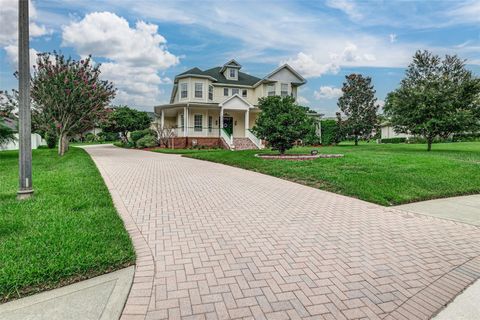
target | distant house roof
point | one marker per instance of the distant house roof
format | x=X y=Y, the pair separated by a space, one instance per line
x=217 y=76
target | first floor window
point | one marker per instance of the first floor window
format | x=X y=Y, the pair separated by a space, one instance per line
x=197 y=122
x=225 y=92
x=182 y=120
x=210 y=92
x=198 y=90
x=235 y=91
x=244 y=93
x=210 y=123
x=284 y=90
x=184 y=90
x=271 y=90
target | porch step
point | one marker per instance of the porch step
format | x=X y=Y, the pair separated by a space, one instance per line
x=243 y=144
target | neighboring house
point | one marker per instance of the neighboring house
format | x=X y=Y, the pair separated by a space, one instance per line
x=36 y=139
x=219 y=106
x=387 y=132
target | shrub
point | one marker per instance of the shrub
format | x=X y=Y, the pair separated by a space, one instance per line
x=90 y=137
x=6 y=134
x=51 y=139
x=147 y=141
x=109 y=136
x=394 y=140
x=138 y=134
x=122 y=144
x=472 y=136
x=330 y=132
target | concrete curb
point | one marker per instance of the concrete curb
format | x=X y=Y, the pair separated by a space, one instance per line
x=102 y=298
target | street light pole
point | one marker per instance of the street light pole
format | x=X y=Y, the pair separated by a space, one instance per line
x=24 y=128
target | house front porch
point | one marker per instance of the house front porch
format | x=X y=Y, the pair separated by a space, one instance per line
x=210 y=125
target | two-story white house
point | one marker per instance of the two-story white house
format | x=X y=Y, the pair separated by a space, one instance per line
x=218 y=106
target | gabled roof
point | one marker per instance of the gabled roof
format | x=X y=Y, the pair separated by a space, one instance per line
x=236 y=96
x=232 y=64
x=287 y=66
x=243 y=78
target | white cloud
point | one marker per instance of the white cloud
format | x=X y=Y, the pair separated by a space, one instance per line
x=309 y=67
x=12 y=56
x=302 y=100
x=392 y=37
x=135 y=56
x=346 y=6
x=9 y=18
x=327 y=92
x=466 y=12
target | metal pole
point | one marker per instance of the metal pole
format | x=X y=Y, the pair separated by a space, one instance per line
x=24 y=129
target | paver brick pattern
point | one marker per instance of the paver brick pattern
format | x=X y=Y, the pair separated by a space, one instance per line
x=218 y=242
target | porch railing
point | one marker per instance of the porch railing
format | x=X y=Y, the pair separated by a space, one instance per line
x=198 y=132
x=227 y=138
x=256 y=141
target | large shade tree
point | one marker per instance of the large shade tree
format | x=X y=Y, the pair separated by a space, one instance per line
x=123 y=120
x=69 y=96
x=358 y=104
x=436 y=98
x=282 y=122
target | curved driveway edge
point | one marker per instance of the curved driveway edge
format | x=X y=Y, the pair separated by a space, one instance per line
x=141 y=291
x=219 y=242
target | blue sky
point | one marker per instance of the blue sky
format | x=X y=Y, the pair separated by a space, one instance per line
x=142 y=45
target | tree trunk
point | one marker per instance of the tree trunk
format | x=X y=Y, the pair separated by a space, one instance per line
x=429 y=144
x=62 y=144
x=356 y=140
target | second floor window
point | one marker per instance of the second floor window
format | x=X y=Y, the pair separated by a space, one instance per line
x=271 y=90
x=225 y=92
x=184 y=90
x=198 y=90
x=197 y=122
x=284 y=90
x=244 y=93
x=210 y=92
x=235 y=91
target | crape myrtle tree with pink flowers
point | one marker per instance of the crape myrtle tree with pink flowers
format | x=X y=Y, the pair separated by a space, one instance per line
x=69 y=96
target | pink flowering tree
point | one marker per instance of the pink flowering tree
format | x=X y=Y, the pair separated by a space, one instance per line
x=69 y=96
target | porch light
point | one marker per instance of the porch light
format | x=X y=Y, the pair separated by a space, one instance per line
x=235 y=122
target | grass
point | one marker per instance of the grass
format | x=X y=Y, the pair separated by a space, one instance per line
x=67 y=232
x=387 y=174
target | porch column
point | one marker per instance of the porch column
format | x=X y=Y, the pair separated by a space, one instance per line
x=247 y=119
x=185 y=121
x=220 y=125
x=162 y=119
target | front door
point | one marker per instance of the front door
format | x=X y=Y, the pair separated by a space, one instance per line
x=228 y=125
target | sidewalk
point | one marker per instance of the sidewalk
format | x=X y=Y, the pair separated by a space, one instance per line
x=99 y=298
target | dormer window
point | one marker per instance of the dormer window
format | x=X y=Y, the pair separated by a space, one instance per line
x=233 y=73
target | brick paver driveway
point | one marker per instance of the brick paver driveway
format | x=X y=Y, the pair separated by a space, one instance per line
x=218 y=242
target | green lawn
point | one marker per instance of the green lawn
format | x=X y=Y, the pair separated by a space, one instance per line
x=69 y=231
x=386 y=174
